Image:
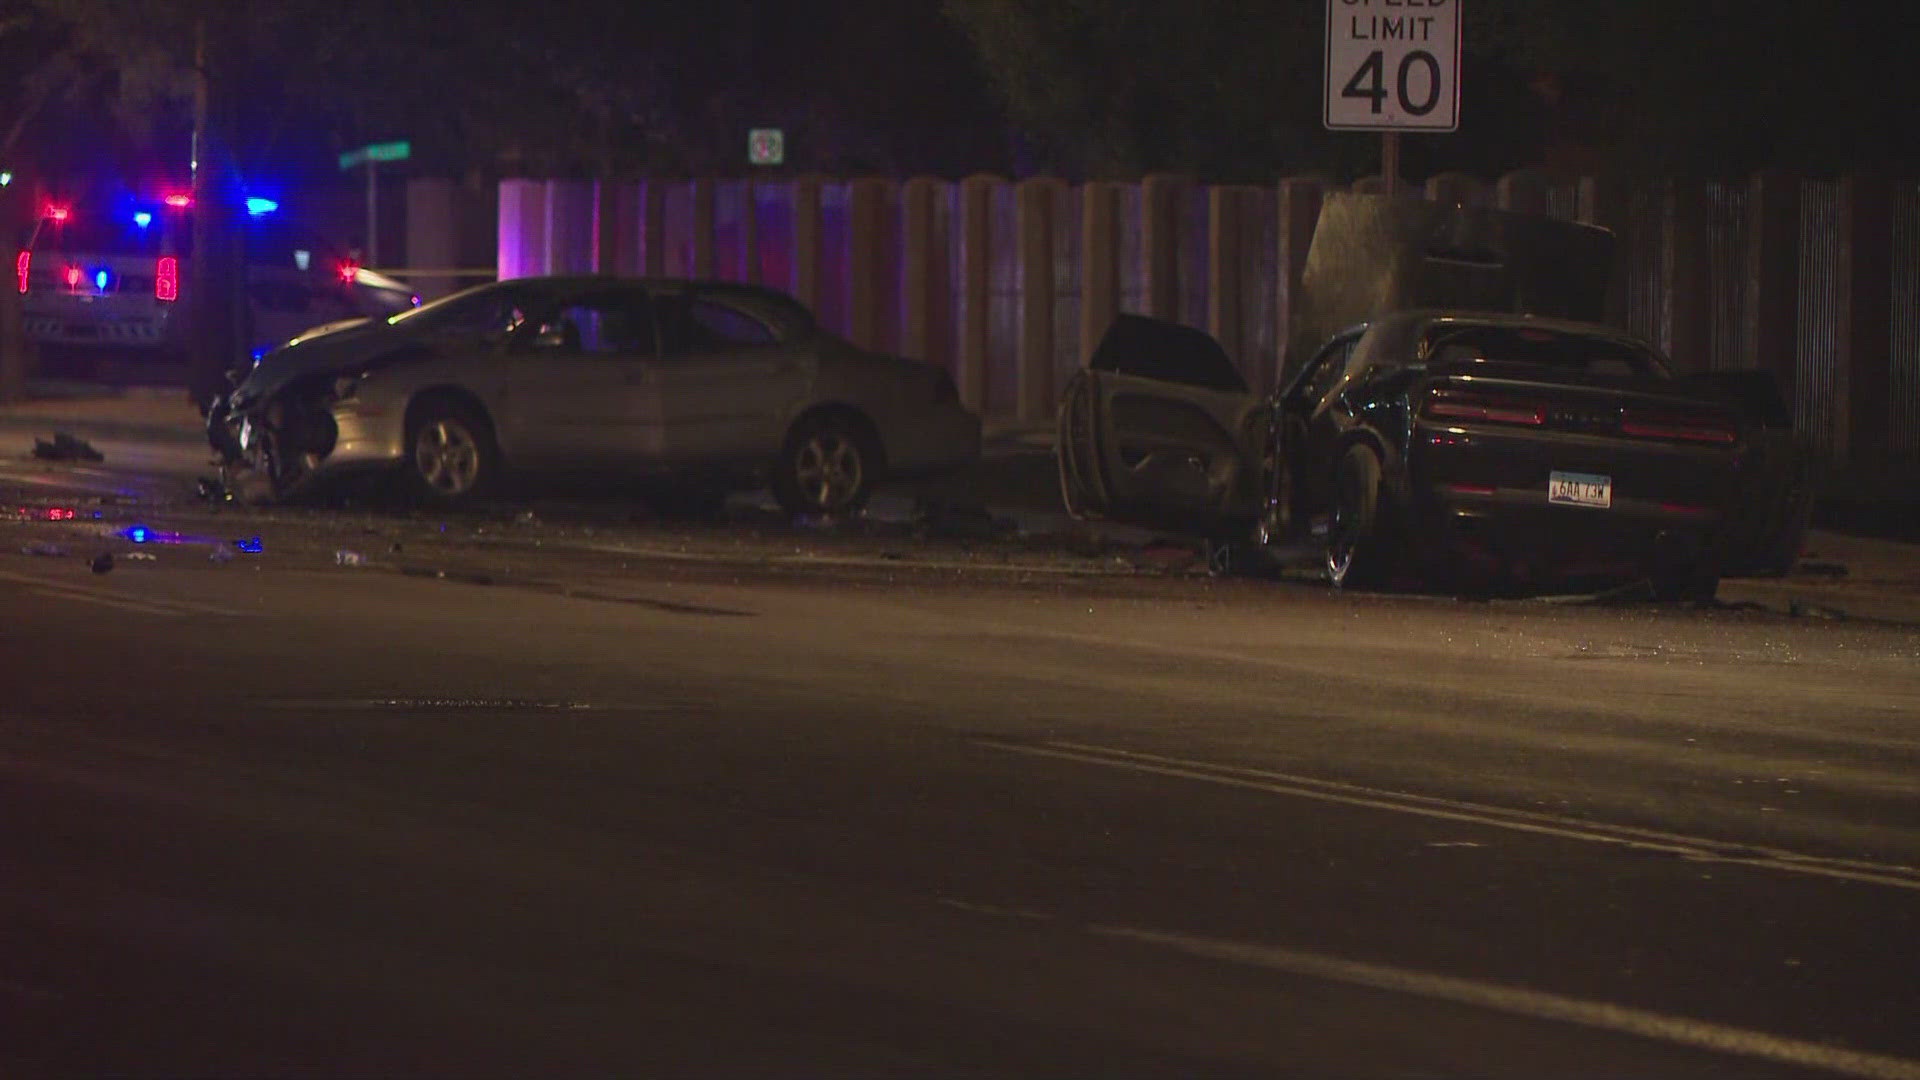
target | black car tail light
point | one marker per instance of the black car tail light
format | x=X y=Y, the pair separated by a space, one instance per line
x=1447 y=404
x=1680 y=426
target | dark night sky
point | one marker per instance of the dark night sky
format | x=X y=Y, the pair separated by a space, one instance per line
x=1228 y=89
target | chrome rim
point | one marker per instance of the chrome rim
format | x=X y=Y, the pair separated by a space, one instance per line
x=828 y=470
x=447 y=457
x=1340 y=528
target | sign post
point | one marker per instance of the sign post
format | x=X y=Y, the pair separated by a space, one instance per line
x=370 y=156
x=1393 y=66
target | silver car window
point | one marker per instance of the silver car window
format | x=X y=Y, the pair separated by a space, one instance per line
x=702 y=325
x=606 y=325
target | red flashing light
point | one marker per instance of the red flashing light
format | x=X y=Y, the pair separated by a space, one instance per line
x=58 y=213
x=73 y=277
x=178 y=201
x=59 y=513
x=166 y=278
x=20 y=266
x=346 y=270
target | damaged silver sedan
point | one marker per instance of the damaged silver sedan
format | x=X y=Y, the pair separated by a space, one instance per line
x=729 y=383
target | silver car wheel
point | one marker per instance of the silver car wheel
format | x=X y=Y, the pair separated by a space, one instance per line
x=829 y=469
x=447 y=457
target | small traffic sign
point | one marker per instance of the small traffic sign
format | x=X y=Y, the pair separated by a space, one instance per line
x=387 y=151
x=1393 y=65
x=766 y=146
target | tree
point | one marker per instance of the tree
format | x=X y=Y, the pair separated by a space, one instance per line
x=1231 y=89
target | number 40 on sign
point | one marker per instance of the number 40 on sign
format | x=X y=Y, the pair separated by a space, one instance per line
x=1393 y=65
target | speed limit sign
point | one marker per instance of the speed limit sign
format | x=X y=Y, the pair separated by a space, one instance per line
x=1393 y=65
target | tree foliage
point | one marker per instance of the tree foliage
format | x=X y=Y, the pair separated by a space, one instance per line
x=1233 y=88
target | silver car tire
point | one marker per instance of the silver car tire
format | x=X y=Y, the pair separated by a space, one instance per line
x=827 y=468
x=451 y=456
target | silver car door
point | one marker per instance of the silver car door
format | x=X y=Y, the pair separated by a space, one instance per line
x=579 y=391
x=726 y=384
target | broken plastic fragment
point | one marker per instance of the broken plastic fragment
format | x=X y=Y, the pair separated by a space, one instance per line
x=343 y=557
x=65 y=447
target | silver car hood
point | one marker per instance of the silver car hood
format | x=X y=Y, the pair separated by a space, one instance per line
x=330 y=348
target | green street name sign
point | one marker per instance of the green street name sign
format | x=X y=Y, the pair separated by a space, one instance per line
x=386 y=151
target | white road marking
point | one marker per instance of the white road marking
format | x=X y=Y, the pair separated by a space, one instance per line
x=145 y=605
x=873 y=561
x=1518 y=1001
x=117 y=603
x=1689 y=847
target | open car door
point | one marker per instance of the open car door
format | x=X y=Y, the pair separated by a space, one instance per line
x=1160 y=431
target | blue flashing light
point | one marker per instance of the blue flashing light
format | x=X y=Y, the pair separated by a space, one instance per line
x=256 y=206
x=100 y=280
x=251 y=545
x=142 y=218
x=139 y=534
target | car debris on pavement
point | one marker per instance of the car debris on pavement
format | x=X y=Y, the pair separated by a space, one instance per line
x=65 y=447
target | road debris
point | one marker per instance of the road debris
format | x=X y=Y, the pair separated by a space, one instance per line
x=44 y=549
x=220 y=555
x=140 y=556
x=344 y=557
x=251 y=545
x=65 y=447
x=1809 y=568
x=960 y=520
x=101 y=563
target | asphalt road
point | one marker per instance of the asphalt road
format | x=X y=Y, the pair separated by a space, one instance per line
x=591 y=797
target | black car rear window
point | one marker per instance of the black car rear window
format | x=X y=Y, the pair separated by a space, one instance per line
x=1582 y=353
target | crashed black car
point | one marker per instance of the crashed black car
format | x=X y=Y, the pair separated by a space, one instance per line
x=1442 y=445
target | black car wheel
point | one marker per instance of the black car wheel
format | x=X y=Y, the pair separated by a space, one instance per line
x=828 y=467
x=1358 y=551
x=451 y=454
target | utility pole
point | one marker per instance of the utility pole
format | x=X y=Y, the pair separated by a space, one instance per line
x=214 y=273
x=14 y=347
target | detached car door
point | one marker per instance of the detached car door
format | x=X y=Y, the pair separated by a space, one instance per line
x=1160 y=431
